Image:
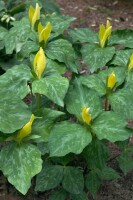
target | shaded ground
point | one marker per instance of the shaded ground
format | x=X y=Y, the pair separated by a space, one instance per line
x=92 y=13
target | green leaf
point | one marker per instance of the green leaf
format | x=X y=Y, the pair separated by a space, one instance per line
x=19 y=164
x=53 y=86
x=14 y=114
x=93 y=183
x=68 y=137
x=3 y=32
x=83 y=35
x=73 y=180
x=111 y=126
x=95 y=56
x=58 y=195
x=96 y=154
x=28 y=48
x=79 y=96
x=82 y=196
x=108 y=174
x=15 y=80
x=94 y=82
x=49 y=178
x=2 y=5
x=125 y=161
x=43 y=147
x=122 y=57
x=122 y=102
x=59 y=23
x=17 y=35
x=42 y=125
x=122 y=37
x=62 y=51
x=55 y=67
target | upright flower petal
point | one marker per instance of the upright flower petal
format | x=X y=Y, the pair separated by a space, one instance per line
x=44 y=32
x=111 y=81
x=39 y=63
x=26 y=130
x=130 y=65
x=86 y=116
x=34 y=14
x=104 y=33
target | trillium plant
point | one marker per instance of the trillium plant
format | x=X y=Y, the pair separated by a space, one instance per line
x=57 y=123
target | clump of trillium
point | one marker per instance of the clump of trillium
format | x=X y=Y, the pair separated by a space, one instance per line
x=25 y=130
x=104 y=34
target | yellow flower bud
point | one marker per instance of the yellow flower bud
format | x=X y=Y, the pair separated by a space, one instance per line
x=86 y=116
x=130 y=65
x=39 y=63
x=26 y=130
x=34 y=14
x=111 y=81
x=44 y=32
x=104 y=33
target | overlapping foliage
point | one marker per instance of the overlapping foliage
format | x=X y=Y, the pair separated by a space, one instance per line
x=59 y=126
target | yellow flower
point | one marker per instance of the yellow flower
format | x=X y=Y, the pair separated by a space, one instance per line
x=34 y=14
x=130 y=65
x=26 y=130
x=86 y=116
x=44 y=32
x=39 y=63
x=104 y=33
x=111 y=81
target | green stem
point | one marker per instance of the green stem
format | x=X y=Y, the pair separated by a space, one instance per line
x=106 y=103
x=38 y=102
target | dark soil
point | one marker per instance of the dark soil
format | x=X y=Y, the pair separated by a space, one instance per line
x=91 y=13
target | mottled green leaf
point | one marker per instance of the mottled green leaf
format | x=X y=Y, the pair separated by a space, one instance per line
x=3 y=32
x=62 y=51
x=79 y=96
x=125 y=161
x=122 y=37
x=59 y=23
x=111 y=126
x=73 y=180
x=108 y=174
x=122 y=102
x=28 y=48
x=15 y=81
x=53 y=86
x=19 y=164
x=55 y=67
x=42 y=125
x=58 y=195
x=50 y=177
x=68 y=137
x=82 y=196
x=122 y=57
x=94 y=82
x=96 y=154
x=95 y=56
x=13 y=114
x=93 y=183
x=83 y=35
x=17 y=35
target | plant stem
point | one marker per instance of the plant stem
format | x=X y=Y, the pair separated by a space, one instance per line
x=106 y=103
